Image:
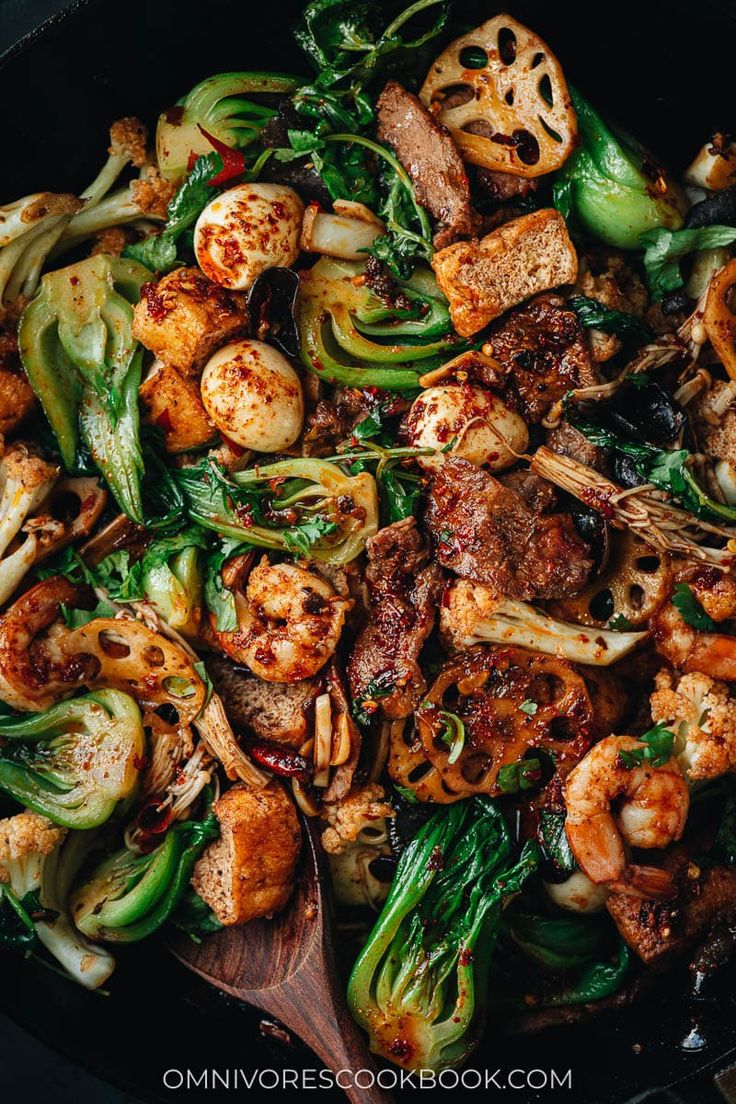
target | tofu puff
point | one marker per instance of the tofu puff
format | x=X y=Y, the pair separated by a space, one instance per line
x=250 y=870
x=184 y=317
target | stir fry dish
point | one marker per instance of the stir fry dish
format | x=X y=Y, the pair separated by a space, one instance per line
x=369 y=459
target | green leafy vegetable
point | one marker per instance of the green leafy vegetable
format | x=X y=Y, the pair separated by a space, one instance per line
x=620 y=623
x=557 y=942
x=664 y=249
x=657 y=748
x=171 y=578
x=691 y=610
x=593 y=315
x=611 y=186
x=76 y=761
x=195 y=918
x=317 y=501
x=422 y=974
x=128 y=896
x=78 y=350
x=529 y=707
x=595 y=982
x=159 y=252
x=219 y=107
x=219 y=600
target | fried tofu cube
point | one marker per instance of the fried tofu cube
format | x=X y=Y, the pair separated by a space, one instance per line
x=250 y=870
x=172 y=402
x=482 y=279
x=184 y=317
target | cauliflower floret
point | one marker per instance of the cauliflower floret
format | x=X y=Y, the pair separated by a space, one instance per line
x=25 y=841
x=128 y=138
x=361 y=809
x=701 y=713
x=153 y=193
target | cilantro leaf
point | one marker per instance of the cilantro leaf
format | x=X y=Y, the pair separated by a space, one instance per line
x=159 y=252
x=76 y=618
x=657 y=747
x=524 y=774
x=620 y=623
x=691 y=611
x=300 y=538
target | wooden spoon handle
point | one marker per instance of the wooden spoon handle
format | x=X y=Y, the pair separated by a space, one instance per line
x=336 y=1039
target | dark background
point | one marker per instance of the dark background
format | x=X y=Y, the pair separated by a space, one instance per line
x=666 y=70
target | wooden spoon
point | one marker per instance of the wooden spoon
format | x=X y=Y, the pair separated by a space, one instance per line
x=286 y=967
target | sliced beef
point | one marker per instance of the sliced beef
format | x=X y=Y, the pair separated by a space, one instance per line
x=484 y=531
x=431 y=158
x=537 y=493
x=499 y=187
x=565 y=440
x=659 y=931
x=541 y=347
x=333 y=420
x=404 y=590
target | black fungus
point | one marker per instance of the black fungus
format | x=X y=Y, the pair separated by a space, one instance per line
x=272 y=309
x=676 y=302
x=383 y=868
x=623 y=470
x=594 y=529
x=410 y=816
x=717 y=209
x=645 y=413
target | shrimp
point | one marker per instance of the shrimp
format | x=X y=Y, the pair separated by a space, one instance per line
x=689 y=650
x=289 y=622
x=652 y=814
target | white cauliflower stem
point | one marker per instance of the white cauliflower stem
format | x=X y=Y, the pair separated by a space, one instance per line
x=30 y=849
x=475 y=614
x=25 y=481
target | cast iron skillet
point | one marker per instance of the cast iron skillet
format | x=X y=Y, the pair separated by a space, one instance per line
x=664 y=70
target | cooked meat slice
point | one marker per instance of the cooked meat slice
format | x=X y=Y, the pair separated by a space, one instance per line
x=542 y=349
x=661 y=930
x=501 y=186
x=568 y=441
x=184 y=317
x=16 y=396
x=484 y=531
x=430 y=157
x=249 y=870
x=404 y=589
x=273 y=710
x=482 y=279
x=537 y=493
x=172 y=402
